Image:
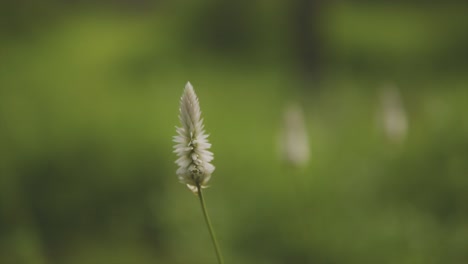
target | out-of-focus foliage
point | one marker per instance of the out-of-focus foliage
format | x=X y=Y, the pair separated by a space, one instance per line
x=89 y=99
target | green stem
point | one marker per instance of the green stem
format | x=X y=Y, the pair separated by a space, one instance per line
x=210 y=228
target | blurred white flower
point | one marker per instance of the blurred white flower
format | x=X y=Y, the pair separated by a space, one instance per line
x=192 y=144
x=294 y=142
x=394 y=120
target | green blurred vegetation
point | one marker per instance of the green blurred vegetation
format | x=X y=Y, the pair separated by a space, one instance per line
x=89 y=99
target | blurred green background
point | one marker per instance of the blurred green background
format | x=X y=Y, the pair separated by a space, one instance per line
x=89 y=96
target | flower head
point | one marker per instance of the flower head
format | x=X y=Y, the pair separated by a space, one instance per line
x=294 y=143
x=192 y=144
x=394 y=120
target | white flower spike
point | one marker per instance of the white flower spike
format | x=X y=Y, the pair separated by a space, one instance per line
x=294 y=144
x=394 y=118
x=192 y=144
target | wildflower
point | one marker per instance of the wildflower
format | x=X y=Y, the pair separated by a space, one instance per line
x=294 y=144
x=394 y=120
x=194 y=159
x=192 y=144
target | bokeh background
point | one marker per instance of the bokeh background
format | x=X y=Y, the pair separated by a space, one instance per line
x=89 y=95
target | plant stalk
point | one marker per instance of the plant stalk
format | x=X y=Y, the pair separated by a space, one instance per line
x=210 y=228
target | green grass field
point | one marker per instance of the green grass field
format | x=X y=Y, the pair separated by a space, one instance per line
x=89 y=105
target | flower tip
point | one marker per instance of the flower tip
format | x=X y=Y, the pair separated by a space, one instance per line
x=188 y=85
